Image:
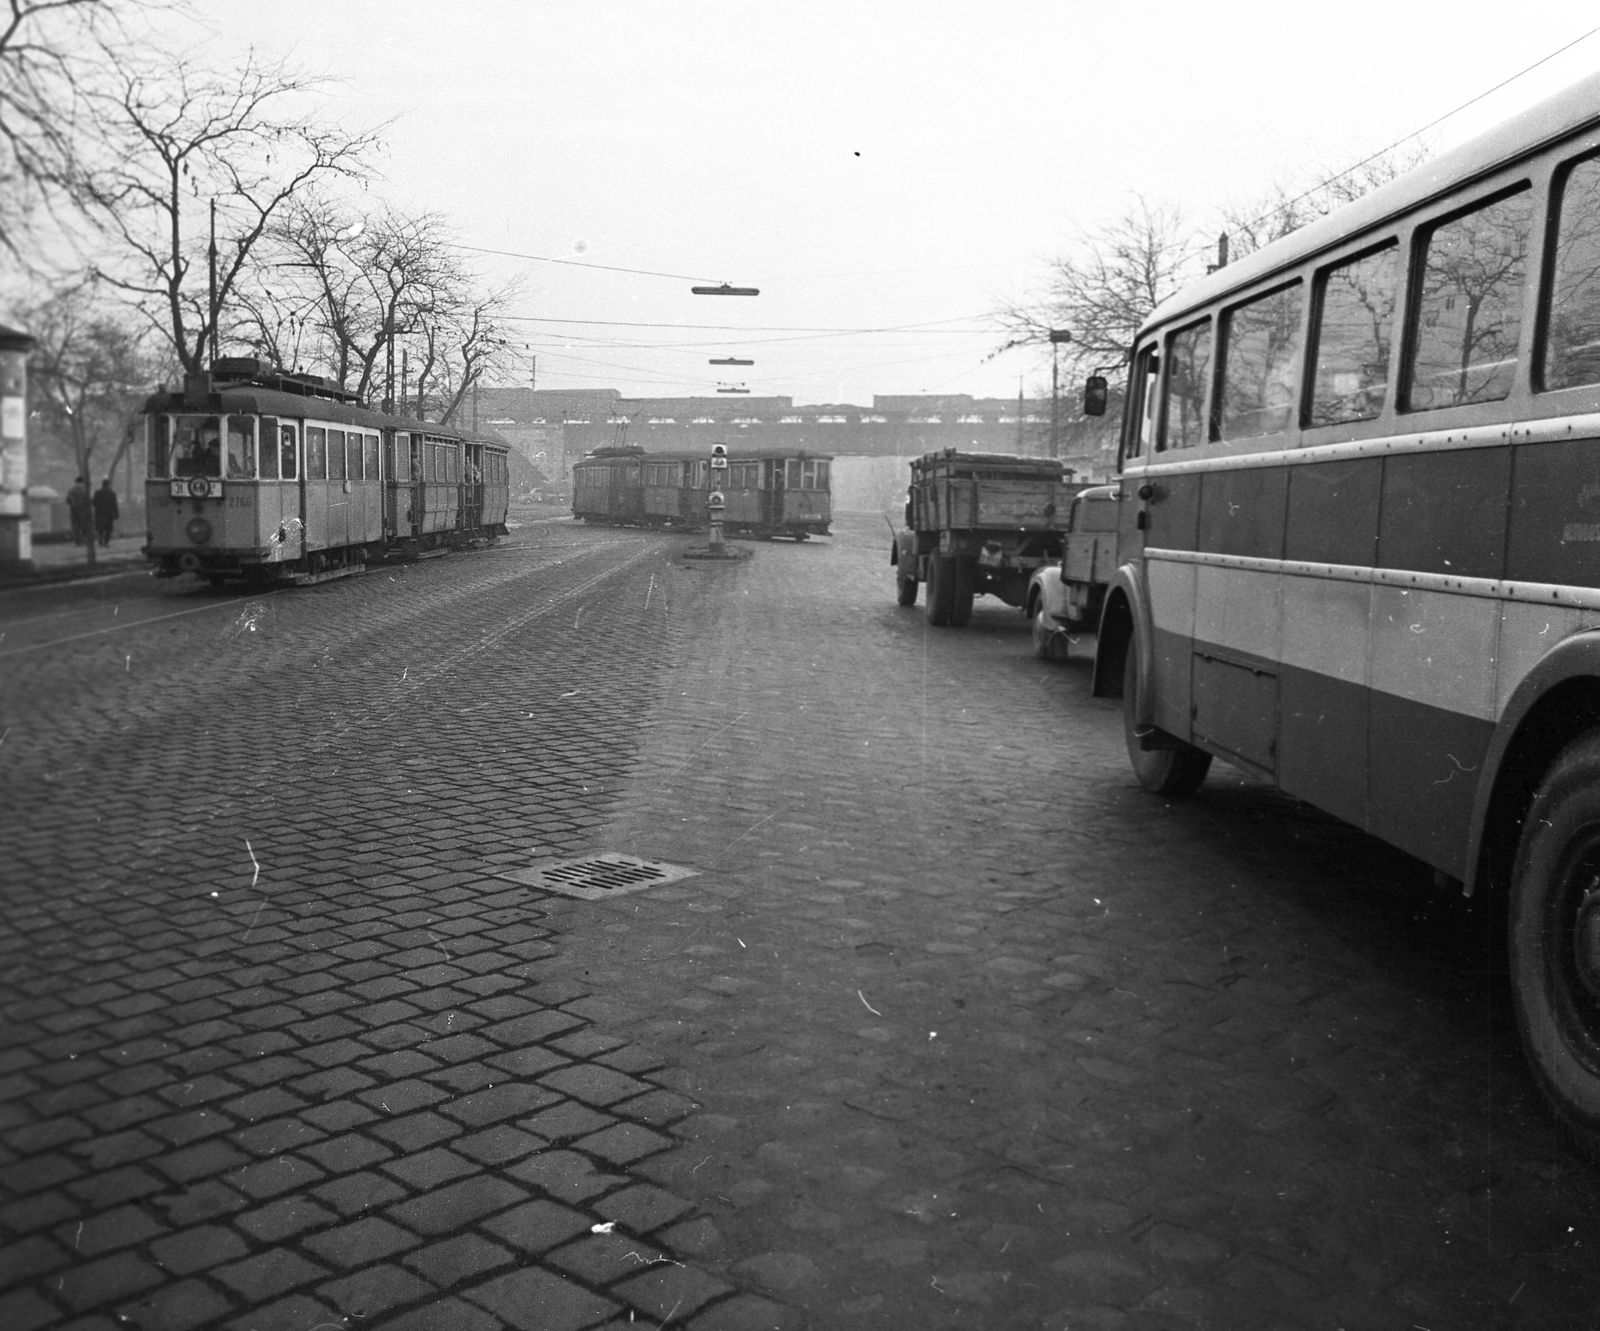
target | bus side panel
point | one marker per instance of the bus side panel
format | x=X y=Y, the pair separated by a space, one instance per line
x=1528 y=632
x=1432 y=716
x=1445 y=512
x=1172 y=593
x=1174 y=513
x=1322 y=733
x=1555 y=514
x=1242 y=512
x=1238 y=624
x=1333 y=514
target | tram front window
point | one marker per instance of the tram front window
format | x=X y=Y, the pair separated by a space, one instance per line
x=197 y=446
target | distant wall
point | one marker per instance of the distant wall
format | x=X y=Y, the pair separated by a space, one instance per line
x=870 y=485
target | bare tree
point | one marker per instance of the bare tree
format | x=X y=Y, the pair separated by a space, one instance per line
x=1290 y=202
x=479 y=346
x=175 y=137
x=49 y=51
x=1108 y=283
x=92 y=369
x=370 y=282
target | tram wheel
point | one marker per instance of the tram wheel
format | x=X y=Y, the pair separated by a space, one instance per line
x=940 y=600
x=1555 y=939
x=1160 y=771
x=905 y=588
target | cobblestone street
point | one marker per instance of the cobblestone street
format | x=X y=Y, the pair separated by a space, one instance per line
x=951 y=1026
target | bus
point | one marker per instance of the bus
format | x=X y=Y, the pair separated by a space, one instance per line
x=1359 y=542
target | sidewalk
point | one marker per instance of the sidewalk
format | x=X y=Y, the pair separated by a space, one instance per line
x=64 y=561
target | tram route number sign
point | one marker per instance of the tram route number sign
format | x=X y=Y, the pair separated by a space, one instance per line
x=719 y=464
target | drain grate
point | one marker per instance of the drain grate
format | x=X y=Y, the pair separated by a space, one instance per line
x=596 y=877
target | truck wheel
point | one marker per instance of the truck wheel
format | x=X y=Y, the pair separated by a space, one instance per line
x=905 y=588
x=1048 y=644
x=1160 y=771
x=966 y=577
x=941 y=595
x=1555 y=939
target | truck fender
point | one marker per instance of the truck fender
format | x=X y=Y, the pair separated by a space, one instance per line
x=1124 y=620
x=1556 y=701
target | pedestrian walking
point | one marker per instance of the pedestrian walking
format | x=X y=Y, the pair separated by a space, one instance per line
x=105 y=511
x=78 y=506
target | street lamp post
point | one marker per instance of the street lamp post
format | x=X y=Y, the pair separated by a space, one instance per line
x=1057 y=337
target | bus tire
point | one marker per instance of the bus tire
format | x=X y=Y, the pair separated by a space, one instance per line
x=941 y=595
x=966 y=577
x=1160 y=771
x=905 y=588
x=1554 y=939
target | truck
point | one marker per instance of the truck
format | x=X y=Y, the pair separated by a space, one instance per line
x=977 y=524
x=1066 y=598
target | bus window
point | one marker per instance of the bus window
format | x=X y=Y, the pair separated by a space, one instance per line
x=1260 y=364
x=286 y=452
x=1142 y=390
x=1188 y=367
x=1469 y=314
x=1355 y=311
x=1572 y=342
x=316 y=453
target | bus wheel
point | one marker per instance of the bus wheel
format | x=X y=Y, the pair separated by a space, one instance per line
x=941 y=596
x=1555 y=939
x=905 y=588
x=1160 y=771
x=961 y=597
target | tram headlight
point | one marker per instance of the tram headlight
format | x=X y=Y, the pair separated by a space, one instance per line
x=198 y=531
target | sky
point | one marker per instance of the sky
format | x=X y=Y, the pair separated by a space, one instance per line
x=888 y=173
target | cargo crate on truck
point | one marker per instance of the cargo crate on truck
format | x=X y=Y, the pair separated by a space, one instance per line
x=978 y=524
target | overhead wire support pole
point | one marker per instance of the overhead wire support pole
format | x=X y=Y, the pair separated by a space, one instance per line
x=212 y=255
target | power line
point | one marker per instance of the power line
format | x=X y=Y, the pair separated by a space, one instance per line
x=579 y=263
x=1406 y=138
x=928 y=326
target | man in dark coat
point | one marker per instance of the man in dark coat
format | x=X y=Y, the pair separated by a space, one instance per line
x=105 y=511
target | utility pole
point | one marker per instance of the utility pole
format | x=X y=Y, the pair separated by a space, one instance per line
x=402 y=381
x=1020 y=447
x=212 y=253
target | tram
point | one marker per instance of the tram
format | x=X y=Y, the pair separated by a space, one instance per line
x=768 y=492
x=263 y=476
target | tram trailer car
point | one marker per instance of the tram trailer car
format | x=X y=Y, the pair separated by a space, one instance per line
x=976 y=523
x=264 y=476
x=767 y=492
x=1359 y=547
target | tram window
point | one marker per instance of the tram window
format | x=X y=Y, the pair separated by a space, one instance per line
x=1572 y=339
x=369 y=444
x=336 y=470
x=286 y=452
x=796 y=473
x=316 y=453
x=1260 y=364
x=241 y=448
x=823 y=469
x=159 y=445
x=1469 y=313
x=353 y=453
x=197 y=446
x=1355 y=311
x=269 y=451
x=1188 y=366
